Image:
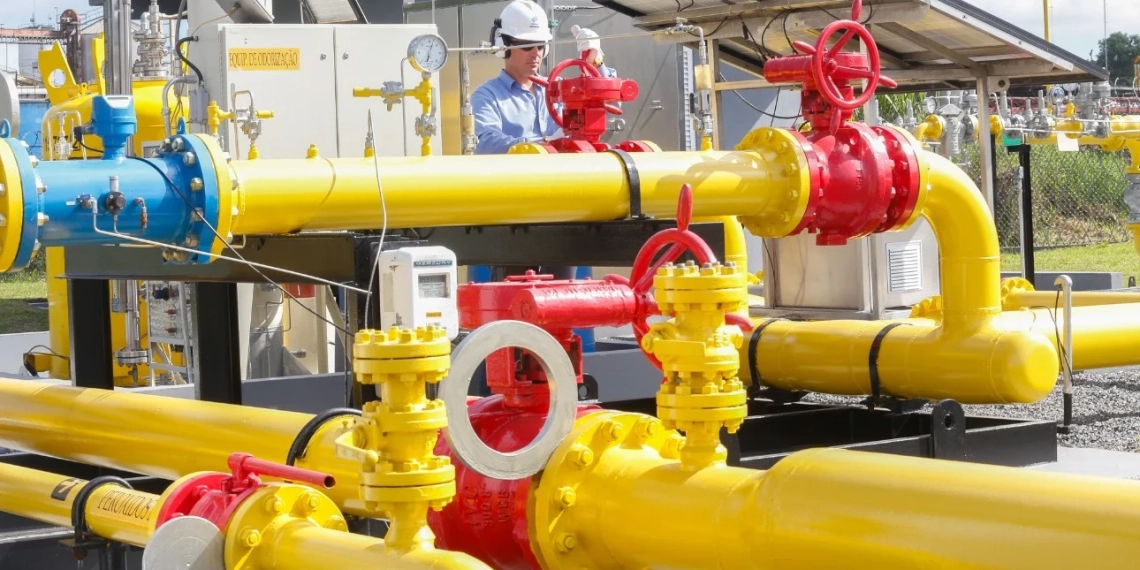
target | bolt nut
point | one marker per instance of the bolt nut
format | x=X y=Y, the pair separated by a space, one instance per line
x=612 y=430
x=309 y=502
x=565 y=542
x=189 y=159
x=274 y=505
x=336 y=523
x=581 y=455
x=35 y=161
x=250 y=537
x=41 y=218
x=196 y=184
x=177 y=143
x=566 y=497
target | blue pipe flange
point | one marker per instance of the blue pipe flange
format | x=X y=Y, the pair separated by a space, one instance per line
x=218 y=186
x=197 y=183
x=19 y=206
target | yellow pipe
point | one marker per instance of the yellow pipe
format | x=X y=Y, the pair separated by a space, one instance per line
x=930 y=129
x=272 y=539
x=1104 y=336
x=112 y=512
x=1048 y=20
x=311 y=547
x=151 y=435
x=636 y=507
x=769 y=185
x=1036 y=299
x=971 y=356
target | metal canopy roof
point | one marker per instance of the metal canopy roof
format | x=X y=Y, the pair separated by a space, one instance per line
x=925 y=45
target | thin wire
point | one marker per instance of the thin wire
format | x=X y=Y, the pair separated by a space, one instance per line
x=383 y=226
x=226 y=243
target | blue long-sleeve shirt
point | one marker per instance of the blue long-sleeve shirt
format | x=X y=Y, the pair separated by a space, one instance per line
x=506 y=114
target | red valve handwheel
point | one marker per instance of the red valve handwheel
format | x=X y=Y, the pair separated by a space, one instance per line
x=678 y=240
x=587 y=69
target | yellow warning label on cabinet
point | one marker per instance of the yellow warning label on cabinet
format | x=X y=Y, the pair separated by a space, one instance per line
x=265 y=59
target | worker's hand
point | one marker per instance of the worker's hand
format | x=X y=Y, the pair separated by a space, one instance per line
x=589 y=45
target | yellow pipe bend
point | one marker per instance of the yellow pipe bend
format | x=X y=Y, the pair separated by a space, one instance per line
x=1104 y=336
x=636 y=507
x=971 y=356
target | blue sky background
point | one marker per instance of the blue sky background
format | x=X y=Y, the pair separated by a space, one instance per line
x=1077 y=24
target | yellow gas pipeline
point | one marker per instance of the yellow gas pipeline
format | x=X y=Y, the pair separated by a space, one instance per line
x=277 y=527
x=972 y=356
x=285 y=196
x=636 y=506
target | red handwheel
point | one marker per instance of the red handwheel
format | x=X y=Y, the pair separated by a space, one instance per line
x=587 y=69
x=678 y=240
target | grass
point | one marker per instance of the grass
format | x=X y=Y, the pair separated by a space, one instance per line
x=1117 y=258
x=17 y=314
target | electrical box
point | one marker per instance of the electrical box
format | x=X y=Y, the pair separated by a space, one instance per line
x=305 y=75
x=877 y=277
x=418 y=288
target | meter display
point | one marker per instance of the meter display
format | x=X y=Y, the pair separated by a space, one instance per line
x=434 y=286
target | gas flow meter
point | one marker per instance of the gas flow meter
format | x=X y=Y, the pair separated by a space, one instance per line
x=418 y=288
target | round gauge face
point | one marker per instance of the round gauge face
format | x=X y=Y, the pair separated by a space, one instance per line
x=1071 y=87
x=427 y=53
x=930 y=105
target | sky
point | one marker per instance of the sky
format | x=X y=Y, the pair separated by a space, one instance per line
x=1077 y=25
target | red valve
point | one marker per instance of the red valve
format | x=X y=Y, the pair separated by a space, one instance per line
x=214 y=496
x=828 y=97
x=645 y=266
x=585 y=100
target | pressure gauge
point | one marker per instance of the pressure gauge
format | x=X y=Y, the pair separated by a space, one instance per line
x=930 y=105
x=1071 y=87
x=427 y=53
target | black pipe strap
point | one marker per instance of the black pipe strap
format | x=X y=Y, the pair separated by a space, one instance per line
x=79 y=505
x=301 y=442
x=753 y=342
x=873 y=362
x=634 y=179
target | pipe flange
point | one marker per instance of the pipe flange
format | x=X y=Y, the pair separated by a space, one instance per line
x=19 y=209
x=797 y=168
x=127 y=357
x=185 y=543
x=252 y=531
x=557 y=495
x=465 y=443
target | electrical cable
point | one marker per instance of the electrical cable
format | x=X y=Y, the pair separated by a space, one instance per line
x=181 y=56
x=383 y=228
x=234 y=251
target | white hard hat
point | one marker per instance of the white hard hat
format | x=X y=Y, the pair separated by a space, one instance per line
x=524 y=21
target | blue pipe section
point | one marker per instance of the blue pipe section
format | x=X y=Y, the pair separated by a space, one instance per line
x=158 y=196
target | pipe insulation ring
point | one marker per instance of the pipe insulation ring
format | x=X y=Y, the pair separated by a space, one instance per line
x=465 y=443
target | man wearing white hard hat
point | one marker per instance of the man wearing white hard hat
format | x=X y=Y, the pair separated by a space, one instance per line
x=511 y=108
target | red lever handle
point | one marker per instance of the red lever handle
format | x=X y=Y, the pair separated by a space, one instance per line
x=244 y=465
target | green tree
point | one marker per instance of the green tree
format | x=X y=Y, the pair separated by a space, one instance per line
x=1122 y=51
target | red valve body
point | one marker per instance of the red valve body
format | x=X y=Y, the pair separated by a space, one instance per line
x=556 y=306
x=814 y=106
x=586 y=102
x=488 y=517
x=215 y=496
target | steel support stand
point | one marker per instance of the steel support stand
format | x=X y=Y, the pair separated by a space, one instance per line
x=216 y=336
x=90 y=317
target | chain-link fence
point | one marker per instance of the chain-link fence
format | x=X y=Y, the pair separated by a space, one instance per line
x=1078 y=197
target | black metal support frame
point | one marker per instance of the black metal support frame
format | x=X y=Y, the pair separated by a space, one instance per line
x=216 y=331
x=773 y=431
x=1025 y=160
x=92 y=364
